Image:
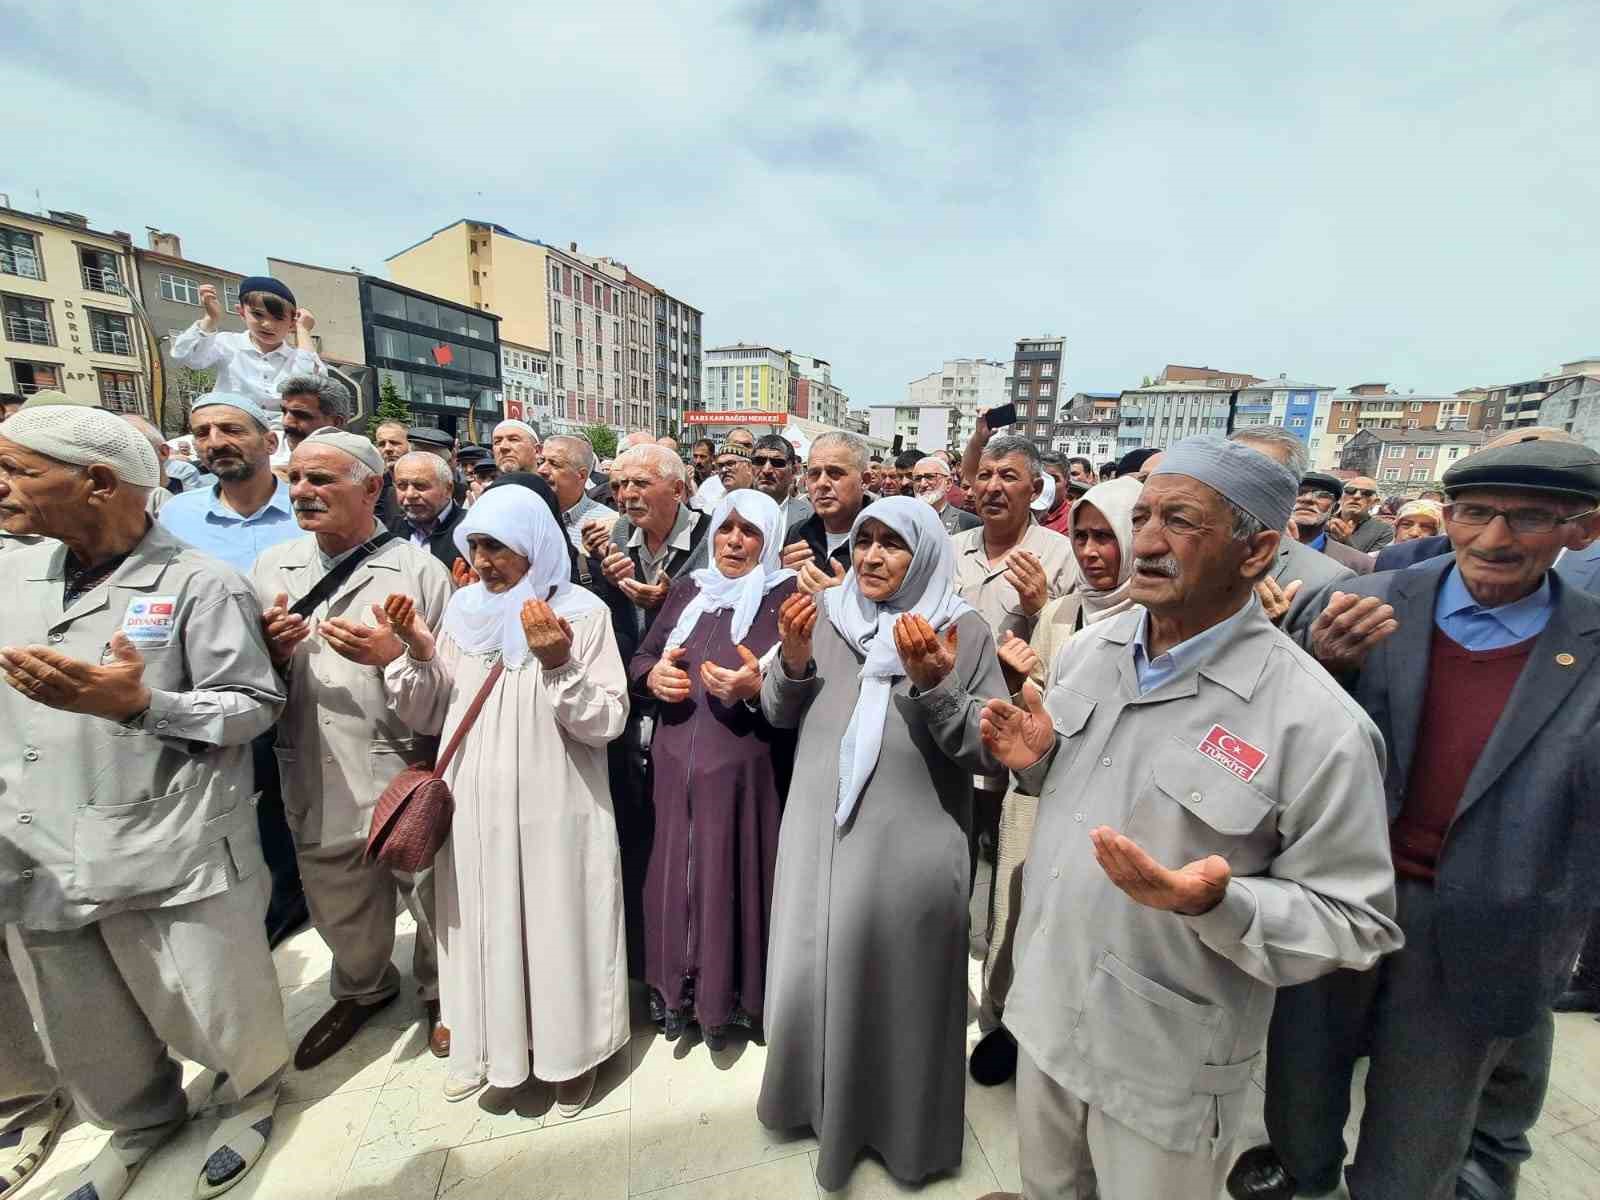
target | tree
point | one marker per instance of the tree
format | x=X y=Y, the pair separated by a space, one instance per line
x=603 y=438
x=184 y=386
x=391 y=407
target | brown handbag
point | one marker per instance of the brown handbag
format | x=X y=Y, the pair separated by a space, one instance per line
x=412 y=816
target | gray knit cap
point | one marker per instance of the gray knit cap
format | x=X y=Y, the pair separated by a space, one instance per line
x=1262 y=486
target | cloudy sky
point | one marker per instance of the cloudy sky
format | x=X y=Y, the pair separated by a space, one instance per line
x=1406 y=192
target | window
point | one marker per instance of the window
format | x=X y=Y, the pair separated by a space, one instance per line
x=1046 y=370
x=580 y=376
x=1424 y=451
x=33 y=377
x=1394 y=451
x=422 y=312
x=578 y=343
x=1045 y=388
x=19 y=253
x=1415 y=406
x=558 y=350
x=119 y=391
x=1391 y=474
x=555 y=312
x=560 y=376
x=391 y=343
x=1024 y=369
x=108 y=332
x=230 y=296
x=480 y=328
x=180 y=289
x=1419 y=474
x=28 y=320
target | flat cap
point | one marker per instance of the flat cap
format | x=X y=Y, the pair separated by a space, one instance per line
x=353 y=444
x=1247 y=478
x=471 y=453
x=255 y=284
x=1534 y=465
x=85 y=437
x=243 y=403
x=1321 y=479
x=427 y=435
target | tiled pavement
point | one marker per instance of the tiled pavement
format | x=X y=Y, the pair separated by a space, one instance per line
x=672 y=1122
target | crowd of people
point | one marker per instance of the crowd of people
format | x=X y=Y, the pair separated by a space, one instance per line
x=1271 y=777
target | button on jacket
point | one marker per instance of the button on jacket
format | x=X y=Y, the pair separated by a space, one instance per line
x=339 y=743
x=97 y=817
x=1252 y=752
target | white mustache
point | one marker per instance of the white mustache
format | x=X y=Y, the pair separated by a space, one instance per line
x=1166 y=565
x=311 y=506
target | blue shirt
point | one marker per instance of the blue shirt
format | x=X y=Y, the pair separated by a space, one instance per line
x=1153 y=672
x=200 y=518
x=1473 y=627
x=1320 y=542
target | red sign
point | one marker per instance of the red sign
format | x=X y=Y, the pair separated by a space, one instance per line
x=514 y=409
x=751 y=417
x=443 y=356
x=1237 y=755
x=159 y=609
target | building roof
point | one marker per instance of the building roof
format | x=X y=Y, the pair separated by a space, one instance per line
x=1285 y=384
x=1424 y=437
x=1387 y=399
x=746 y=346
x=500 y=229
x=140 y=252
x=1167 y=389
x=115 y=235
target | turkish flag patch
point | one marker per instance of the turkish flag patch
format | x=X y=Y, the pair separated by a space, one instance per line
x=1234 y=753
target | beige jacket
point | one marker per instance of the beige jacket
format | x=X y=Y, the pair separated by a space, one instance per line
x=339 y=744
x=985 y=587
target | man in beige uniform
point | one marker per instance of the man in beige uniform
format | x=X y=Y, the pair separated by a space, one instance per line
x=338 y=743
x=1211 y=826
x=131 y=881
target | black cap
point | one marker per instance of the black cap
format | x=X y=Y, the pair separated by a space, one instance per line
x=1328 y=483
x=1532 y=465
x=427 y=435
x=471 y=453
x=1130 y=462
x=266 y=283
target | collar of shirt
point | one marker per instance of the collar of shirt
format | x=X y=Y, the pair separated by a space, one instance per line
x=1153 y=672
x=677 y=539
x=277 y=507
x=422 y=532
x=1320 y=542
x=1470 y=625
x=329 y=564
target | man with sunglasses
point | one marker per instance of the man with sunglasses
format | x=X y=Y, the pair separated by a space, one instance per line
x=1314 y=506
x=1358 y=524
x=774 y=461
x=1482 y=671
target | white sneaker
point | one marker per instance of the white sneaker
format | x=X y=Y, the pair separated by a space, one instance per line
x=458 y=1087
x=573 y=1094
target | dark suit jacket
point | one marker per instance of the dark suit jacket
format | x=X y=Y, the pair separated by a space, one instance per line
x=1371 y=535
x=1398 y=555
x=1516 y=874
x=1318 y=574
x=442 y=541
x=957 y=520
x=1348 y=556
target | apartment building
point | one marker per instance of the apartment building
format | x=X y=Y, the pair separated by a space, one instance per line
x=1514 y=405
x=1406 y=462
x=965 y=384
x=919 y=427
x=812 y=392
x=1378 y=406
x=1230 y=381
x=169 y=285
x=525 y=383
x=1164 y=413
x=66 y=320
x=1086 y=426
x=1036 y=374
x=745 y=377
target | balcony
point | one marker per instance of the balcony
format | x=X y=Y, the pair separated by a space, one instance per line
x=110 y=341
x=33 y=330
x=120 y=399
x=20 y=262
x=101 y=279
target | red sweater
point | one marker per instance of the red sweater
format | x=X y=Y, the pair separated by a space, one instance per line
x=1467 y=692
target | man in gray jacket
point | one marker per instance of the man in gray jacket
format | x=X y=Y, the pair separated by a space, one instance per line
x=1211 y=796
x=131 y=881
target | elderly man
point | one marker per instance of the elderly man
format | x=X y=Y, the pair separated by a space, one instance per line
x=423 y=484
x=1057 y=515
x=515 y=445
x=565 y=463
x=734 y=468
x=310 y=403
x=1313 y=506
x=774 y=461
x=658 y=538
x=131 y=880
x=819 y=547
x=165 y=489
x=1482 y=670
x=1357 y=524
x=315 y=593
x=247 y=509
x=1300 y=573
x=1209 y=830
x=391 y=441
x=930 y=481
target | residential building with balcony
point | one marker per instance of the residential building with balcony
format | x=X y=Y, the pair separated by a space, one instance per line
x=525 y=383
x=812 y=394
x=169 y=289
x=919 y=427
x=66 y=322
x=1378 y=406
x=1515 y=405
x=1164 y=413
x=1037 y=371
x=966 y=384
x=1406 y=462
x=745 y=377
x=1086 y=426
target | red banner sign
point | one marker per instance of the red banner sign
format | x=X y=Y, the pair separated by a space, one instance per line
x=750 y=417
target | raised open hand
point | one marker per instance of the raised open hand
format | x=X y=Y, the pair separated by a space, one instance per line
x=112 y=689
x=1192 y=889
x=668 y=682
x=1026 y=574
x=401 y=613
x=797 y=618
x=927 y=656
x=1018 y=737
x=549 y=636
x=283 y=630
x=1017 y=658
x=369 y=645
x=732 y=686
x=1348 y=629
x=812 y=579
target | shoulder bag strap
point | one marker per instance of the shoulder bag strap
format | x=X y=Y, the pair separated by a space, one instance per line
x=335 y=578
x=469 y=719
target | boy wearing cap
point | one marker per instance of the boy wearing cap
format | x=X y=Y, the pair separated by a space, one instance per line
x=275 y=346
x=1481 y=669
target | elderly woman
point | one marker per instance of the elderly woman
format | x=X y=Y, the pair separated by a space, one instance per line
x=866 y=991
x=720 y=769
x=1419 y=519
x=529 y=887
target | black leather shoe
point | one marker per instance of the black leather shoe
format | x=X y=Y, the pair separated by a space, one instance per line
x=1580 y=996
x=1260 y=1175
x=333 y=1031
x=994 y=1058
x=286 y=919
x=1475 y=1183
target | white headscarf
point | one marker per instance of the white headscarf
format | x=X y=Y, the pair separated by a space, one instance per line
x=744 y=594
x=928 y=590
x=1046 y=499
x=480 y=621
x=1114 y=500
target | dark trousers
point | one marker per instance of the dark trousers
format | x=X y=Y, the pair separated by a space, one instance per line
x=1588 y=972
x=1511 y=1103
x=636 y=827
x=277 y=843
x=1428 y=1069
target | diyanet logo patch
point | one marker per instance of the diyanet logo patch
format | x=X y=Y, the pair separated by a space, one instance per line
x=150 y=619
x=1237 y=755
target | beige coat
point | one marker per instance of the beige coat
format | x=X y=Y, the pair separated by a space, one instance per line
x=338 y=742
x=985 y=587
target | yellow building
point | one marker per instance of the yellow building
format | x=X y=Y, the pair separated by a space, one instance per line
x=65 y=322
x=486 y=267
x=746 y=377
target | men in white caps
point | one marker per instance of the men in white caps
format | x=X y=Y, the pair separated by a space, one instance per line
x=339 y=744
x=515 y=445
x=1482 y=671
x=1211 y=797
x=131 y=879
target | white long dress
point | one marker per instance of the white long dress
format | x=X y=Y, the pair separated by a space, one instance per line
x=529 y=884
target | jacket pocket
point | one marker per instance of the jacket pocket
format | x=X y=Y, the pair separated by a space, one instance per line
x=1133 y=1028
x=1191 y=808
x=124 y=850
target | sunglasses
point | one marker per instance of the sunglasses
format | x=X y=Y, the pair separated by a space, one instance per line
x=770 y=460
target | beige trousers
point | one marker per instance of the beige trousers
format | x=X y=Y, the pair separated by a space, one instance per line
x=1072 y=1151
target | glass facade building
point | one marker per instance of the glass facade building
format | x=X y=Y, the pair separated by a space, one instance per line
x=444 y=358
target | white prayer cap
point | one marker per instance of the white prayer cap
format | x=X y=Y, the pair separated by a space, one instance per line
x=353 y=444
x=243 y=403
x=513 y=423
x=84 y=437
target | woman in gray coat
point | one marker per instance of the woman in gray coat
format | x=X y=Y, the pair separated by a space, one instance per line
x=885 y=677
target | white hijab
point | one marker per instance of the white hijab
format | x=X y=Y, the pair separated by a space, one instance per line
x=481 y=621
x=1114 y=500
x=928 y=591
x=744 y=594
x=1046 y=499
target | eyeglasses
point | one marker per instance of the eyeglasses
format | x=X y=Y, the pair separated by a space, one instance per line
x=929 y=476
x=770 y=460
x=1316 y=494
x=1367 y=493
x=732 y=464
x=1521 y=520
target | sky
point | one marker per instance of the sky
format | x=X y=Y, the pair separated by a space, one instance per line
x=1340 y=193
